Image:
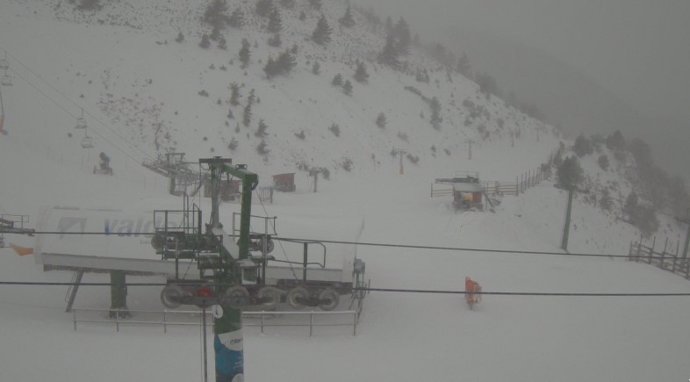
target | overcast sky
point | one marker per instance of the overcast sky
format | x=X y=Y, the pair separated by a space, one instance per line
x=637 y=49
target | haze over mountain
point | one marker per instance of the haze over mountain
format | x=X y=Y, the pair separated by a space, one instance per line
x=588 y=65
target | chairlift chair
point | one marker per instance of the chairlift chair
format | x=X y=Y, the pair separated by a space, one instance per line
x=81 y=122
x=4 y=63
x=6 y=80
x=87 y=142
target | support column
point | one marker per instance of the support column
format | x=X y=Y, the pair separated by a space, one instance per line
x=566 y=228
x=118 y=295
x=228 y=344
x=687 y=242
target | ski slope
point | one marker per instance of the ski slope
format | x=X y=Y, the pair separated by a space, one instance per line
x=401 y=336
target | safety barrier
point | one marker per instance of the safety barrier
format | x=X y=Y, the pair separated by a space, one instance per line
x=668 y=260
x=168 y=318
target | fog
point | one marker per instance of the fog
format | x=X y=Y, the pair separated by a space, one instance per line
x=588 y=65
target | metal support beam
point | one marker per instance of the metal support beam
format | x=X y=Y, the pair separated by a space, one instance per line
x=73 y=290
x=566 y=227
x=305 y=262
x=687 y=242
x=118 y=295
x=228 y=344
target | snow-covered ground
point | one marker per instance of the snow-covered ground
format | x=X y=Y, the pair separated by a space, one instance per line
x=404 y=337
x=401 y=336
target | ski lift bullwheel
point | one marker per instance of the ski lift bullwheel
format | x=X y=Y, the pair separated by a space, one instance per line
x=328 y=299
x=236 y=296
x=297 y=297
x=269 y=297
x=171 y=296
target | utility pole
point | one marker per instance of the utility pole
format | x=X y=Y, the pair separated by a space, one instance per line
x=566 y=227
x=227 y=325
x=2 y=115
x=402 y=169
x=469 y=152
x=314 y=173
x=686 y=220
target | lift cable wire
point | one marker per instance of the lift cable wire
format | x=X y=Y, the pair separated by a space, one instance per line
x=464 y=249
x=370 y=244
x=68 y=112
x=53 y=88
x=399 y=290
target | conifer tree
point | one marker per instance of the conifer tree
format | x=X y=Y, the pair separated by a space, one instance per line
x=403 y=37
x=261 y=130
x=215 y=14
x=286 y=61
x=436 y=119
x=247 y=115
x=275 y=24
x=347 y=87
x=389 y=25
x=205 y=41
x=264 y=7
x=347 y=20
x=282 y=65
x=316 y=68
x=275 y=40
x=361 y=74
x=570 y=173
x=337 y=80
x=89 y=5
x=244 y=53
x=234 y=94
x=179 y=38
x=215 y=34
x=316 y=4
x=389 y=54
x=322 y=32
x=271 y=68
x=381 y=120
x=236 y=19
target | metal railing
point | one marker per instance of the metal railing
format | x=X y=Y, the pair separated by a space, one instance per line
x=168 y=318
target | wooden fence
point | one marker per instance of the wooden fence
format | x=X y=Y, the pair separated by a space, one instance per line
x=666 y=260
x=521 y=184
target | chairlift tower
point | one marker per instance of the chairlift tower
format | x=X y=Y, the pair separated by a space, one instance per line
x=230 y=266
x=4 y=63
x=2 y=115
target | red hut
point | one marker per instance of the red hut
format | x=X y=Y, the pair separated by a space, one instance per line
x=284 y=182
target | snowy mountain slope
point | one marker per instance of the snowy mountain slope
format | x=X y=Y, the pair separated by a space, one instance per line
x=152 y=99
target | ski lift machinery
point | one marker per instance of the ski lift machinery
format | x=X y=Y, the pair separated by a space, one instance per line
x=240 y=274
x=86 y=141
